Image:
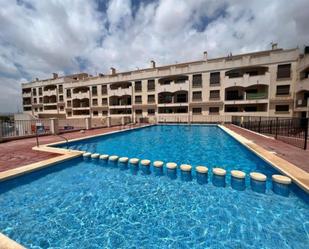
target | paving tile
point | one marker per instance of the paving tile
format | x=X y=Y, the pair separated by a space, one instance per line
x=290 y=153
x=17 y=153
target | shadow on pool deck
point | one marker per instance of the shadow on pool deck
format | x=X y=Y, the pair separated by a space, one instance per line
x=292 y=154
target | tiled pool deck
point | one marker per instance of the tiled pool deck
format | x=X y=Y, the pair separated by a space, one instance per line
x=17 y=153
x=292 y=154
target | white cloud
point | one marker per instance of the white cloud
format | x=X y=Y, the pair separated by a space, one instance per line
x=40 y=37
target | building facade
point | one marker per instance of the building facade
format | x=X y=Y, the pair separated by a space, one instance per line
x=266 y=83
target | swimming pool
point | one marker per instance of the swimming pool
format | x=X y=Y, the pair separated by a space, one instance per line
x=85 y=204
x=196 y=145
x=89 y=204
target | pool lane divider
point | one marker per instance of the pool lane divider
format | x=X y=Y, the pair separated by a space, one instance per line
x=134 y=165
x=158 y=168
x=201 y=174
x=186 y=172
x=238 y=180
x=113 y=160
x=218 y=177
x=258 y=182
x=171 y=170
x=123 y=163
x=280 y=183
x=145 y=166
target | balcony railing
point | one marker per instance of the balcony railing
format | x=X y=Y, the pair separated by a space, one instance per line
x=261 y=95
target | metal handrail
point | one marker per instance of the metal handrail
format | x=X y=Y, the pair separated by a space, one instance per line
x=67 y=140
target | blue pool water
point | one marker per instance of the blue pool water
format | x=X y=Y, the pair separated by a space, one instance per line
x=86 y=204
x=183 y=144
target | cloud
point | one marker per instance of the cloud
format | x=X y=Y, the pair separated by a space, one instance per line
x=41 y=37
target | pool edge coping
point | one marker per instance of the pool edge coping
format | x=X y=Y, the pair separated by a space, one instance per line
x=299 y=176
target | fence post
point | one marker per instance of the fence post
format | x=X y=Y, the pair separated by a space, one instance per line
x=306 y=133
x=276 y=128
x=260 y=124
x=54 y=126
x=108 y=121
x=88 y=123
x=122 y=121
x=1 y=135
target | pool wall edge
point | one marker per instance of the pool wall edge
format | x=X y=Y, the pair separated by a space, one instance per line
x=299 y=176
x=7 y=243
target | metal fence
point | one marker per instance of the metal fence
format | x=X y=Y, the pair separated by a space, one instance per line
x=293 y=131
x=197 y=119
x=24 y=128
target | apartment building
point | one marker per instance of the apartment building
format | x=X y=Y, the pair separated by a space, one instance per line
x=266 y=83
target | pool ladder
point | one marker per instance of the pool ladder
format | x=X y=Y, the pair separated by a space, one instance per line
x=63 y=137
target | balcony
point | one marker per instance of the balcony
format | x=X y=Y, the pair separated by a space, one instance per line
x=80 y=95
x=303 y=84
x=26 y=94
x=50 y=92
x=246 y=80
x=173 y=87
x=120 y=91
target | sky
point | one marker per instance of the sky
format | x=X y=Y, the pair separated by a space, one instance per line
x=39 y=37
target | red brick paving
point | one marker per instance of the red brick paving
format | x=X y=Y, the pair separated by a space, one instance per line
x=18 y=153
x=292 y=154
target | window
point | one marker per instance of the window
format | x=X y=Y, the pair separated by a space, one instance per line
x=151 y=111
x=138 y=112
x=69 y=103
x=214 y=78
x=69 y=114
x=40 y=100
x=41 y=109
x=283 y=90
x=197 y=111
x=214 y=94
x=34 y=101
x=61 y=108
x=151 y=99
x=138 y=99
x=284 y=71
x=95 y=102
x=34 y=91
x=40 y=91
x=138 y=86
x=95 y=113
x=36 y=109
x=60 y=88
x=151 y=85
x=94 y=91
x=213 y=110
x=104 y=90
x=181 y=98
x=282 y=108
x=68 y=93
x=61 y=98
x=104 y=113
x=197 y=96
x=197 y=80
x=104 y=101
